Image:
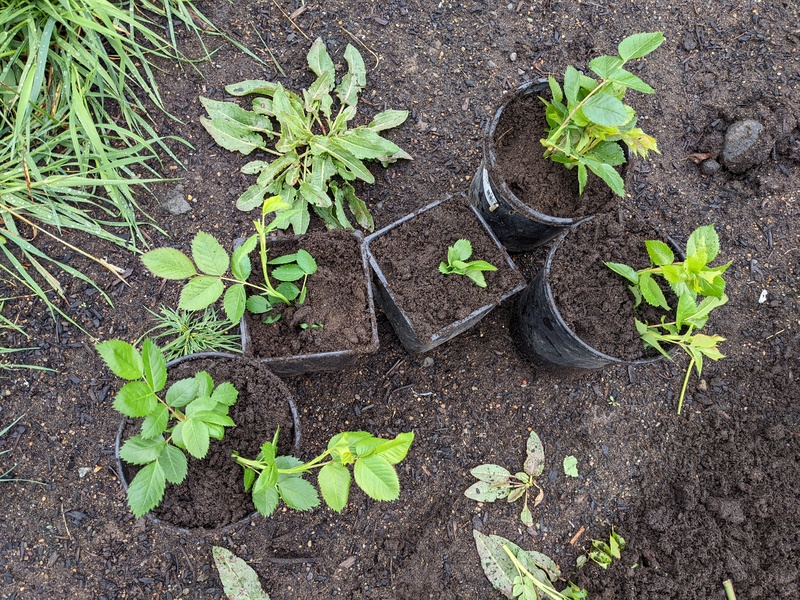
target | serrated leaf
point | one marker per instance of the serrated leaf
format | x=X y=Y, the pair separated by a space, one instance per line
x=200 y=292
x=135 y=399
x=232 y=136
x=173 y=462
x=605 y=110
x=659 y=252
x=491 y=473
x=205 y=383
x=605 y=66
x=141 y=451
x=297 y=493
x=122 y=358
x=267 y=501
x=497 y=566
x=583 y=176
x=234 y=302
x=483 y=491
x=169 y=263
x=239 y=580
x=651 y=293
x=628 y=79
x=147 y=489
x=639 y=45
x=182 y=392
x=570 y=466
x=377 y=478
x=241 y=266
x=267 y=478
x=195 y=437
x=306 y=262
x=156 y=422
x=610 y=153
x=608 y=174
x=334 y=483
x=703 y=241
x=225 y=393
x=153 y=365
x=534 y=461
x=209 y=255
x=555 y=90
x=395 y=450
x=571 y=85
x=287 y=273
x=258 y=305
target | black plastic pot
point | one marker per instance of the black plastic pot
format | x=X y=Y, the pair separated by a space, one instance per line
x=321 y=361
x=399 y=319
x=122 y=468
x=542 y=333
x=519 y=227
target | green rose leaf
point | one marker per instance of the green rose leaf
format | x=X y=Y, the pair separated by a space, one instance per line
x=376 y=476
x=266 y=501
x=234 y=302
x=173 y=462
x=200 y=293
x=209 y=255
x=225 y=393
x=147 y=489
x=141 y=451
x=156 y=422
x=154 y=365
x=182 y=392
x=169 y=263
x=639 y=45
x=297 y=493
x=659 y=252
x=135 y=399
x=605 y=110
x=334 y=483
x=195 y=437
x=122 y=358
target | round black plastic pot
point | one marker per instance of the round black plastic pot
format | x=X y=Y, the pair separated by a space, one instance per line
x=519 y=227
x=124 y=474
x=402 y=324
x=321 y=361
x=542 y=333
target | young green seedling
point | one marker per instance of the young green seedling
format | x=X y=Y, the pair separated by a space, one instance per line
x=315 y=155
x=587 y=120
x=457 y=255
x=207 y=272
x=689 y=280
x=184 y=419
x=496 y=482
x=272 y=478
x=518 y=573
x=605 y=554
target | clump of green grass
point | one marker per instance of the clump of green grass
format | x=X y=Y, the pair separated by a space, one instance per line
x=191 y=332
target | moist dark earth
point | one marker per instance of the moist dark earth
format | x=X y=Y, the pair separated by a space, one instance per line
x=701 y=497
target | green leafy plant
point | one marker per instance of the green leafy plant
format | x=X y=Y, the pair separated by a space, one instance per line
x=191 y=332
x=587 y=119
x=239 y=580
x=518 y=573
x=457 y=256
x=604 y=554
x=689 y=280
x=181 y=420
x=496 y=482
x=305 y=326
x=272 y=478
x=316 y=154
x=206 y=271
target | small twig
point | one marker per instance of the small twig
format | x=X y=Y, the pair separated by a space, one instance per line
x=728 y=585
x=574 y=539
x=64 y=518
x=296 y=26
x=293 y=561
x=363 y=45
x=189 y=562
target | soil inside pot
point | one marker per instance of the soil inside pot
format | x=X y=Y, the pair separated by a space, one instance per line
x=337 y=299
x=409 y=256
x=543 y=185
x=593 y=300
x=212 y=495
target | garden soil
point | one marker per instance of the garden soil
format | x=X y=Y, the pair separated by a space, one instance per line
x=701 y=497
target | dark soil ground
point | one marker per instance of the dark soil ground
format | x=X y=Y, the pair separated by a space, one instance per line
x=702 y=497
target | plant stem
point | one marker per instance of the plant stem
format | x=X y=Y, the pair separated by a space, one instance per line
x=685 y=382
x=551 y=139
x=729 y=593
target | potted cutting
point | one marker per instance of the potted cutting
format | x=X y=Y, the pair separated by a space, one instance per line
x=439 y=271
x=290 y=307
x=522 y=193
x=182 y=422
x=601 y=300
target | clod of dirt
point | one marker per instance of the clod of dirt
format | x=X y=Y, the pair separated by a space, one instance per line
x=709 y=167
x=175 y=202
x=747 y=144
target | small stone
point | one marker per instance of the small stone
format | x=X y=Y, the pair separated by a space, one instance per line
x=702 y=385
x=428 y=362
x=84 y=471
x=689 y=44
x=709 y=167
x=175 y=202
x=513 y=57
x=747 y=144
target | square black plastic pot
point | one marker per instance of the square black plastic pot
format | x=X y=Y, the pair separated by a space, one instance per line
x=322 y=361
x=403 y=326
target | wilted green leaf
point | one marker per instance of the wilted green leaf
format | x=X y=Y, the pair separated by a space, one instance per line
x=570 y=466
x=534 y=461
x=239 y=580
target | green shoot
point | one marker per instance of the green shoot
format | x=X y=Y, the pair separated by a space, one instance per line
x=193 y=332
x=272 y=478
x=457 y=256
x=585 y=131
x=689 y=280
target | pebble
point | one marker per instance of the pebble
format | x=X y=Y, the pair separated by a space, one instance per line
x=747 y=144
x=175 y=202
x=709 y=167
x=513 y=57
